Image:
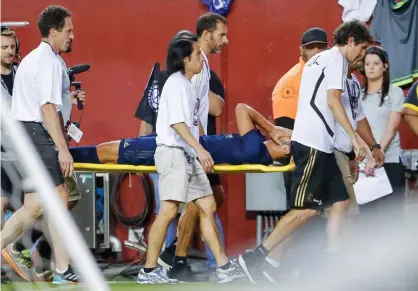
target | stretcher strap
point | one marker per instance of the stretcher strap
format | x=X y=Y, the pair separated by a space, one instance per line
x=246 y=168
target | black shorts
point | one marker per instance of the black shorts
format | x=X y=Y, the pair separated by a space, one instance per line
x=46 y=149
x=317 y=181
x=214 y=179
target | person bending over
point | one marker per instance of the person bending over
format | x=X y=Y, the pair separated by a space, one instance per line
x=317 y=176
x=247 y=147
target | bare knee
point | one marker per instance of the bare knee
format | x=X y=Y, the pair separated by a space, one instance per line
x=63 y=192
x=108 y=152
x=191 y=209
x=340 y=207
x=168 y=210
x=207 y=205
x=300 y=214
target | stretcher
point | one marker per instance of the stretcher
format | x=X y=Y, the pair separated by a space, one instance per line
x=245 y=168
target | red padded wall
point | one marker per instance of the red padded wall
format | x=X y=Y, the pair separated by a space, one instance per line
x=122 y=39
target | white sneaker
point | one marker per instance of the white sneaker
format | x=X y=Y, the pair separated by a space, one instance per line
x=234 y=272
x=157 y=276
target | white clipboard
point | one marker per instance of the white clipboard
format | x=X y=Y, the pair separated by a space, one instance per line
x=368 y=189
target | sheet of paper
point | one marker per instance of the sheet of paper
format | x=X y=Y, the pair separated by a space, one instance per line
x=368 y=189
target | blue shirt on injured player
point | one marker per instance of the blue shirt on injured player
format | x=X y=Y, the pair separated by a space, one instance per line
x=225 y=149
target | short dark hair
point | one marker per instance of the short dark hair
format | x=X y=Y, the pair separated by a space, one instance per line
x=179 y=49
x=52 y=17
x=208 y=21
x=354 y=29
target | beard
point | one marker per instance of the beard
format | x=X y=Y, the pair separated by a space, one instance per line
x=69 y=49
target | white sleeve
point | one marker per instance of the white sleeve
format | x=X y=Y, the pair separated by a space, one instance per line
x=335 y=72
x=397 y=99
x=49 y=82
x=177 y=104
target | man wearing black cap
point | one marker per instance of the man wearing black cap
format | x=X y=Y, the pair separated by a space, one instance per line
x=286 y=92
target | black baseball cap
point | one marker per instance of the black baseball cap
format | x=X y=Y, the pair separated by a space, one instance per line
x=314 y=35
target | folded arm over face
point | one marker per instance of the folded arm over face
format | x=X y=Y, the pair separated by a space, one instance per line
x=247 y=119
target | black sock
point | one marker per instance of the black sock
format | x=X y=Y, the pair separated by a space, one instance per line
x=18 y=247
x=148 y=270
x=261 y=251
x=44 y=249
x=226 y=266
x=180 y=261
x=87 y=154
x=172 y=248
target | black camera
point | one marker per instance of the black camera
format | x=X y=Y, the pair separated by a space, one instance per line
x=77 y=69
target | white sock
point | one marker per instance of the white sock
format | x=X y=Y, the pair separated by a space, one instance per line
x=61 y=272
x=273 y=262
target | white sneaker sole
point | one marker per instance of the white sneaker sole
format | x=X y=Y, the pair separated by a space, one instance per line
x=245 y=269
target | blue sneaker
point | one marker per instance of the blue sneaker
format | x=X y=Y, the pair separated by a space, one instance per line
x=68 y=277
x=157 y=276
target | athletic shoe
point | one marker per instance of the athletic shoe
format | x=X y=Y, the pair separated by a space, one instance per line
x=182 y=273
x=249 y=265
x=165 y=259
x=46 y=275
x=68 y=277
x=20 y=264
x=157 y=276
x=274 y=274
x=234 y=272
x=4 y=277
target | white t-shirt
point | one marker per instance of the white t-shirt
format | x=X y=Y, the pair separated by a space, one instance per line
x=67 y=104
x=201 y=84
x=178 y=103
x=314 y=122
x=378 y=118
x=353 y=105
x=38 y=81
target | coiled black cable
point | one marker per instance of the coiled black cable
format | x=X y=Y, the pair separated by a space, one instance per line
x=141 y=219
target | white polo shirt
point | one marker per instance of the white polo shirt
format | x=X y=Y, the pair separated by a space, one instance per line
x=178 y=103
x=201 y=84
x=353 y=106
x=38 y=81
x=314 y=122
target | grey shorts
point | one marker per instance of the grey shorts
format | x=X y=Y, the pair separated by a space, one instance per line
x=182 y=177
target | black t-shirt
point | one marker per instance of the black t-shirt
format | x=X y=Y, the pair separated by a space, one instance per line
x=148 y=106
x=215 y=85
x=7 y=80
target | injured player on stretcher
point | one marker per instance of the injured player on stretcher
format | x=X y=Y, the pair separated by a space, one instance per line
x=248 y=147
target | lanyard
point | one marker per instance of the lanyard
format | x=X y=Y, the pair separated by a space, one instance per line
x=353 y=97
x=14 y=68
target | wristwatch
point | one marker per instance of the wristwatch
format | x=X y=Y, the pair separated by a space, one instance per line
x=375 y=146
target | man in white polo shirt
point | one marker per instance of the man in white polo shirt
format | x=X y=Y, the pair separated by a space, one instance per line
x=317 y=176
x=182 y=162
x=37 y=98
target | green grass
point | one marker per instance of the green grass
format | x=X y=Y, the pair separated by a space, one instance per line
x=131 y=286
